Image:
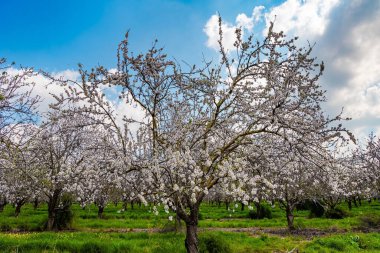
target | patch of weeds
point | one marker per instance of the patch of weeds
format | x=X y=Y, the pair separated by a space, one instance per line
x=262 y=212
x=23 y=227
x=5 y=227
x=93 y=247
x=213 y=244
x=336 y=213
x=370 y=221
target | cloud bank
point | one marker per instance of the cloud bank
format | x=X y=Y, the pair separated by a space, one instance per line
x=347 y=38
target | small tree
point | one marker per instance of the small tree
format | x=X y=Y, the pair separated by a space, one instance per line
x=17 y=108
x=17 y=164
x=62 y=149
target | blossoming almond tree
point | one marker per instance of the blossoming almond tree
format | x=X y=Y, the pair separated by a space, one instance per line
x=61 y=148
x=17 y=107
x=198 y=123
x=17 y=103
x=371 y=161
x=17 y=166
x=99 y=177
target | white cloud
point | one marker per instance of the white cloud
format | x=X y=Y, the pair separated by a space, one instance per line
x=347 y=37
x=307 y=19
x=246 y=23
x=348 y=41
x=43 y=87
x=351 y=50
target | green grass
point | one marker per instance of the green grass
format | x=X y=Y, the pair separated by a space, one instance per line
x=104 y=235
x=89 y=242
x=345 y=243
x=211 y=216
x=173 y=242
x=134 y=242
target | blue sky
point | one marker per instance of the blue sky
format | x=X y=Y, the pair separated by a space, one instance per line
x=57 y=35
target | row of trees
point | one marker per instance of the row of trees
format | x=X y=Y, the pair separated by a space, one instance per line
x=249 y=127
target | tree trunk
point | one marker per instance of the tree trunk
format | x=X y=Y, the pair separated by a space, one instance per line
x=349 y=202
x=242 y=206
x=227 y=205
x=19 y=204
x=35 y=203
x=100 y=211
x=191 y=221
x=3 y=203
x=258 y=210
x=125 y=205
x=355 y=203
x=290 y=217
x=132 y=204
x=191 y=241
x=52 y=209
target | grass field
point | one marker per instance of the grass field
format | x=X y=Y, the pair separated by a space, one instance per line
x=139 y=230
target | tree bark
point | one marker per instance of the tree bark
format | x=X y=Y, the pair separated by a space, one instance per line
x=100 y=211
x=355 y=203
x=290 y=218
x=3 y=203
x=19 y=204
x=349 y=202
x=258 y=210
x=35 y=203
x=191 y=221
x=52 y=209
x=242 y=206
x=191 y=241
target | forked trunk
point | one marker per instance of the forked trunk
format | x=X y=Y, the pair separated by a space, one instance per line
x=191 y=221
x=19 y=204
x=52 y=209
x=191 y=241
